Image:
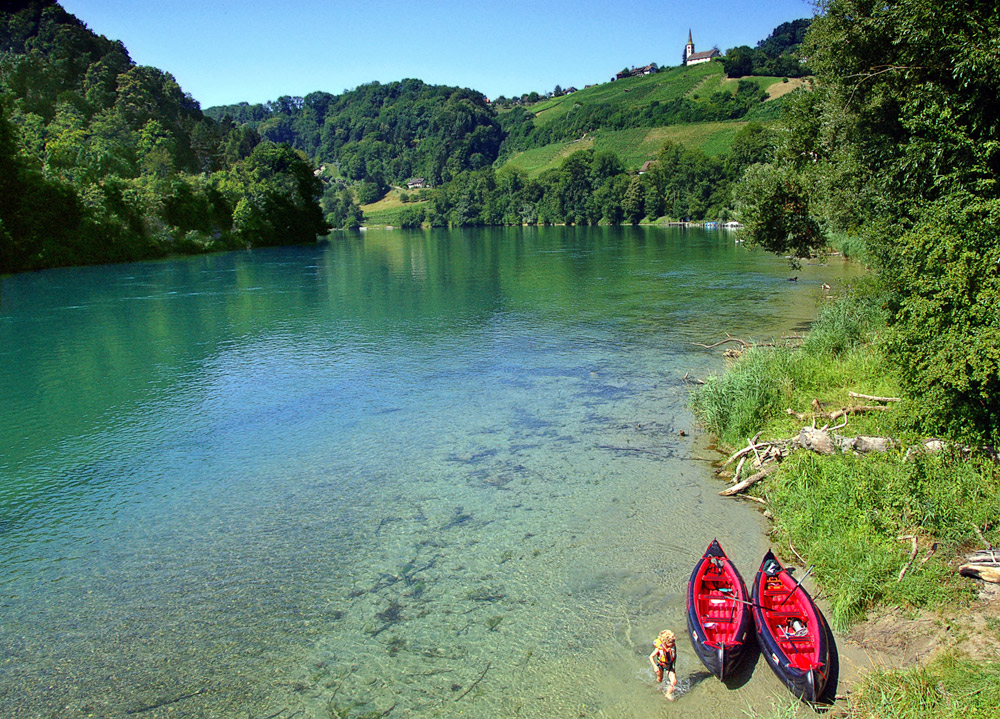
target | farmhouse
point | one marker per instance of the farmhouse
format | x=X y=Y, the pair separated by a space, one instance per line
x=696 y=58
x=638 y=71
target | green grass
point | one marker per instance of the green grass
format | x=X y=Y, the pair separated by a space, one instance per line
x=535 y=161
x=840 y=353
x=851 y=246
x=635 y=146
x=845 y=514
x=950 y=687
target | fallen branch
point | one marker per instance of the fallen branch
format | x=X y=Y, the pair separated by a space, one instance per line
x=982 y=557
x=753 y=445
x=989 y=547
x=773 y=444
x=855 y=395
x=746 y=345
x=739 y=468
x=799 y=556
x=476 y=683
x=837 y=414
x=929 y=554
x=913 y=555
x=749 y=481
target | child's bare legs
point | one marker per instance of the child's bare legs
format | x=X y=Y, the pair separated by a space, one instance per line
x=672 y=676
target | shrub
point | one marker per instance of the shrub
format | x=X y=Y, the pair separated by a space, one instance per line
x=845 y=325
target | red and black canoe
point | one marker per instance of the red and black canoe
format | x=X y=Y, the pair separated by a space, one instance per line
x=718 y=612
x=791 y=631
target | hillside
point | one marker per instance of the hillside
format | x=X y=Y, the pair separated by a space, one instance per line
x=574 y=158
x=381 y=133
x=698 y=107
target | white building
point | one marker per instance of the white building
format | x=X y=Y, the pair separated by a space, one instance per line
x=695 y=58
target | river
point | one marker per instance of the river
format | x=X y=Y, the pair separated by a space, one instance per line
x=428 y=474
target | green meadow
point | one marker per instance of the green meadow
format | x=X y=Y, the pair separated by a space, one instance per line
x=633 y=146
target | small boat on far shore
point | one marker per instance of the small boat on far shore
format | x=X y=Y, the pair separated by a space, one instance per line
x=791 y=631
x=718 y=612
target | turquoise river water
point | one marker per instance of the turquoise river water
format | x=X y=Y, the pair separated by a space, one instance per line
x=423 y=474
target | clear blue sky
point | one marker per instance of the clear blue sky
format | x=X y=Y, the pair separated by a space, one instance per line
x=223 y=51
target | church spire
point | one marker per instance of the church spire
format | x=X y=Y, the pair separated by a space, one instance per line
x=690 y=40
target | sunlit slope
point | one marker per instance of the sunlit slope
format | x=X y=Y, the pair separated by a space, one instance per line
x=636 y=145
x=633 y=146
x=632 y=92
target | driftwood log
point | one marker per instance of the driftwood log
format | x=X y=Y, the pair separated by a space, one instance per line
x=985 y=572
x=749 y=481
x=984 y=564
x=765 y=456
x=913 y=555
x=836 y=414
x=871 y=398
x=822 y=441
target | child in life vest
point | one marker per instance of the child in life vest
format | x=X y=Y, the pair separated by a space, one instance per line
x=663 y=657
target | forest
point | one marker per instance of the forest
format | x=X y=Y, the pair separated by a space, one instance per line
x=381 y=134
x=103 y=160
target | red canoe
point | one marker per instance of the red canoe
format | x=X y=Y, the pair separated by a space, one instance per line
x=791 y=631
x=718 y=613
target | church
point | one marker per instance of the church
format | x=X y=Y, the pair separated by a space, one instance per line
x=695 y=58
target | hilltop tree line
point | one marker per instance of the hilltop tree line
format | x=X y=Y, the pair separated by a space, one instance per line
x=898 y=147
x=103 y=160
x=777 y=55
x=382 y=134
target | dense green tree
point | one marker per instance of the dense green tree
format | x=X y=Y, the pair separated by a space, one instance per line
x=633 y=203
x=738 y=61
x=278 y=198
x=776 y=55
x=382 y=133
x=899 y=144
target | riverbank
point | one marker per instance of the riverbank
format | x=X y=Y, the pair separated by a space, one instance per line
x=885 y=530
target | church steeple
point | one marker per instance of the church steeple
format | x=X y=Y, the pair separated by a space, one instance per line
x=689 y=48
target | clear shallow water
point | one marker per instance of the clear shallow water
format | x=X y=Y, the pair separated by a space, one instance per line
x=422 y=474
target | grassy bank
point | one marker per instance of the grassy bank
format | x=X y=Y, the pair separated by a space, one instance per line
x=852 y=515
